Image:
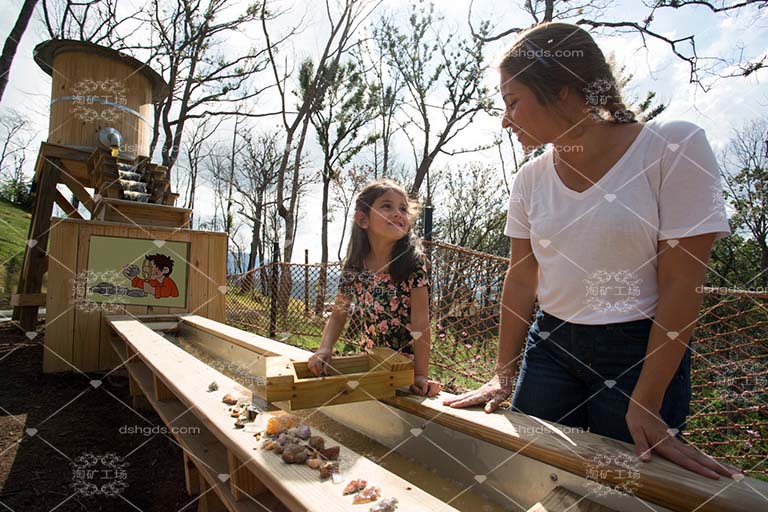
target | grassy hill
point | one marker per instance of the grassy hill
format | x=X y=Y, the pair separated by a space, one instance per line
x=14 y=228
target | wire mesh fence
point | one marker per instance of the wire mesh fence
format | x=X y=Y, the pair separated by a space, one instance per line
x=729 y=409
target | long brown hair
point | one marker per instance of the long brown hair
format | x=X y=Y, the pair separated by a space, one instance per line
x=551 y=56
x=407 y=254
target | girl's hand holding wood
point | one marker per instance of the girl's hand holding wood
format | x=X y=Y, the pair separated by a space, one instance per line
x=319 y=362
x=424 y=386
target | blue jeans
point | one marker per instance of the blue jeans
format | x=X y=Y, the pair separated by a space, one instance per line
x=583 y=375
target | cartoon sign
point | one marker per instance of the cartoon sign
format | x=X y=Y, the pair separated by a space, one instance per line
x=142 y=272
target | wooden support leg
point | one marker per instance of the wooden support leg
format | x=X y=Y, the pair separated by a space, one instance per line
x=191 y=476
x=35 y=257
x=209 y=501
x=162 y=393
x=138 y=400
x=242 y=482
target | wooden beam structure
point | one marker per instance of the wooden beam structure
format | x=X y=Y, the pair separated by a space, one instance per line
x=236 y=474
x=660 y=481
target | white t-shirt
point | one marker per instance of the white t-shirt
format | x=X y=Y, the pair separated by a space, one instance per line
x=597 y=249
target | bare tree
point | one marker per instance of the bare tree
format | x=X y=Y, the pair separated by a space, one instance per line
x=12 y=42
x=426 y=61
x=590 y=13
x=257 y=174
x=346 y=186
x=343 y=25
x=94 y=21
x=204 y=81
x=197 y=149
x=342 y=121
x=746 y=186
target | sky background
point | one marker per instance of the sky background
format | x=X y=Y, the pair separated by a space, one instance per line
x=728 y=105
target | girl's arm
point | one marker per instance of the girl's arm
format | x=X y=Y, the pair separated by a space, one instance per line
x=517 y=302
x=681 y=270
x=331 y=334
x=420 y=324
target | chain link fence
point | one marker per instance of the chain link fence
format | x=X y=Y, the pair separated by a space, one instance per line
x=729 y=409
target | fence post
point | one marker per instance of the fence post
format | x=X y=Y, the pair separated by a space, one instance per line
x=273 y=285
x=306 y=280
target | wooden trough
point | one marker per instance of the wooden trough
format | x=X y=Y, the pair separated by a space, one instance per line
x=428 y=456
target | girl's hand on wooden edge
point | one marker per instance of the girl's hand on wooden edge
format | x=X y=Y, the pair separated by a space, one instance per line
x=651 y=434
x=318 y=363
x=492 y=393
x=423 y=386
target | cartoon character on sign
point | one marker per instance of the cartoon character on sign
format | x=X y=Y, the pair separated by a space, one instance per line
x=156 y=272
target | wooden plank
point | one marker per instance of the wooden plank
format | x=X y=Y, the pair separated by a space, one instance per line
x=163 y=326
x=389 y=359
x=78 y=190
x=65 y=205
x=660 y=481
x=60 y=309
x=87 y=340
x=209 y=501
x=248 y=340
x=191 y=476
x=242 y=483
x=563 y=500
x=217 y=284
x=197 y=275
x=298 y=487
x=29 y=299
x=323 y=391
x=162 y=392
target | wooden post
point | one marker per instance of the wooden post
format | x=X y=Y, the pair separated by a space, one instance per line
x=35 y=258
x=273 y=287
x=191 y=476
x=306 y=280
x=242 y=483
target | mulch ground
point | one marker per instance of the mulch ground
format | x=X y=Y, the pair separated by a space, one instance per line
x=55 y=431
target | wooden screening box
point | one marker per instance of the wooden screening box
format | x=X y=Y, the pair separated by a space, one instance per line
x=375 y=375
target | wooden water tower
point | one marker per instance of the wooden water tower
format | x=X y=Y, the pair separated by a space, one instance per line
x=101 y=126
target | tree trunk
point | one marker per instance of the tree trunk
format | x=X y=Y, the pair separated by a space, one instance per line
x=12 y=42
x=323 y=280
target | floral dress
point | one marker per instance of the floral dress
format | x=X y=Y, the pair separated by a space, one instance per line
x=383 y=307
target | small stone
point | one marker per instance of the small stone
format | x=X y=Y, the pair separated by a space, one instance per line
x=303 y=431
x=269 y=444
x=274 y=425
x=314 y=463
x=229 y=399
x=278 y=449
x=385 y=505
x=367 y=495
x=328 y=468
x=239 y=424
x=331 y=453
x=213 y=387
x=316 y=443
x=354 y=486
x=295 y=454
x=234 y=413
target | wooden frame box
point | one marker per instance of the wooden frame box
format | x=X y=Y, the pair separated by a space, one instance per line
x=374 y=376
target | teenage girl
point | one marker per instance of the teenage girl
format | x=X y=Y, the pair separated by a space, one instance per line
x=611 y=228
x=384 y=281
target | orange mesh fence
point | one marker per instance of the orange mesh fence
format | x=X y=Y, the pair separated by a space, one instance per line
x=729 y=409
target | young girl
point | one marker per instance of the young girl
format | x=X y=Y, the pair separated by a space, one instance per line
x=384 y=277
x=611 y=228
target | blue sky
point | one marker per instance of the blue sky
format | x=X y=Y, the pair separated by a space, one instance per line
x=729 y=104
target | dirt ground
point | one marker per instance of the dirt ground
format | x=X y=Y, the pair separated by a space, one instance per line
x=55 y=431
